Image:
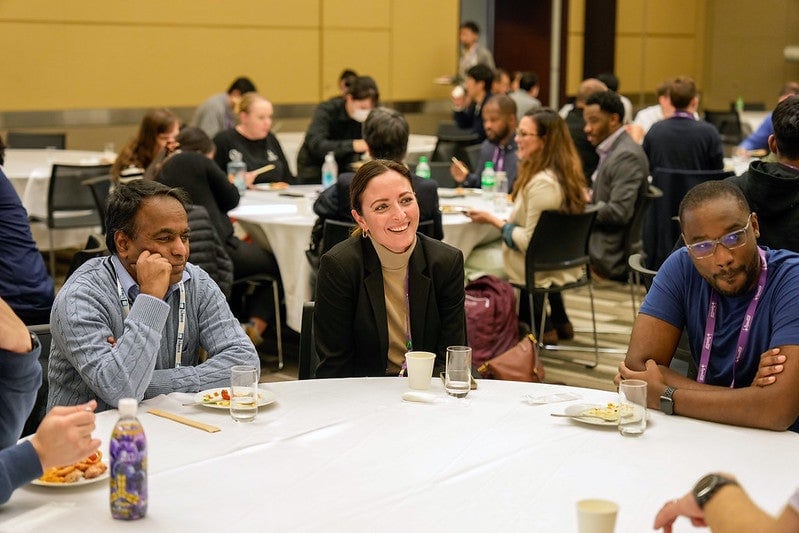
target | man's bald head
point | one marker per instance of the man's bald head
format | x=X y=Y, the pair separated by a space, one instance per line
x=587 y=88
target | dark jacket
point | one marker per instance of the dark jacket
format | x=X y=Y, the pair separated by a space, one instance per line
x=350 y=322
x=772 y=191
x=331 y=130
x=256 y=154
x=206 y=250
x=587 y=152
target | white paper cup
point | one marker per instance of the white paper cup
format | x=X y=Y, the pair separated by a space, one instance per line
x=420 y=369
x=596 y=516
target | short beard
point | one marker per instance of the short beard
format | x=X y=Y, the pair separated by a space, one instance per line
x=752 y=271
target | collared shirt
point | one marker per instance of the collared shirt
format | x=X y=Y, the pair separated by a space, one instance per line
x=493 y=152
x=603 y=149
x=130 y=286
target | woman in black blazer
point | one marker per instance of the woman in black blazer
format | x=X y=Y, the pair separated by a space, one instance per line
x=368 y=283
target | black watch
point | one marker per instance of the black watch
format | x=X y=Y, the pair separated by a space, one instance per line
x=34 y=341
x=667 y=400
x=706 y=487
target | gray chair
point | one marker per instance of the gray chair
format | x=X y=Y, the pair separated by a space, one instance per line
x=19 y=139
x=309 y=359
x=70 y=204
x=100 y=187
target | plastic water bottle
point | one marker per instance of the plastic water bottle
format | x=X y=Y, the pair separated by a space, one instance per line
x=500 y=191
x=329 y=170
x=423 y=168
x=488 y=182
x=236 y=169
x=128 y=452
x=739 y=103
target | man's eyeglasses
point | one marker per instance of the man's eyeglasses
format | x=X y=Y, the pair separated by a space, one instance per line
x=520 y=133
x=730 y=241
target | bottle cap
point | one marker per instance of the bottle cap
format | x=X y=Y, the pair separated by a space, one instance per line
x=127 y=406
x=423 y=159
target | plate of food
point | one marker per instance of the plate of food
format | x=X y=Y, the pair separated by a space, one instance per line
x=85 y=472
x=220 y=398
x=453 y=209
x=599 y=415
x=275 y=186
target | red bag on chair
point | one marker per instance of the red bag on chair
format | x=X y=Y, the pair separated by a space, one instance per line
x=520 y=363
x=492 y=325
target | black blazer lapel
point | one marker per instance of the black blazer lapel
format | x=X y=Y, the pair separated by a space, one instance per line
x=373 y=282
x=419 y=289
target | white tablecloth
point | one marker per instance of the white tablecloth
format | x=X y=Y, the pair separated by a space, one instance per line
x=350 y=455
x=29 y=171
x=283 y=224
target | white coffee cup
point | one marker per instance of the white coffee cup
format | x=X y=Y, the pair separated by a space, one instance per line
x=596 y=516
x=420 y=369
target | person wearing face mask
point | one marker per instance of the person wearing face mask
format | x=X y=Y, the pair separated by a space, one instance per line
x=387 y=289
x=253 y=137
x=336 y=127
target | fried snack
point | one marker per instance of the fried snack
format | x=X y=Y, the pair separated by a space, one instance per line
x=88 y=468
x=609 y=412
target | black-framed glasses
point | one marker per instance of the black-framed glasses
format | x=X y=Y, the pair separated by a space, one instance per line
x=520 y=133
x=730 y=241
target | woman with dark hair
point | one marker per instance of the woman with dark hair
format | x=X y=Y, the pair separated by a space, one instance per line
x=336 y=127
x=387 y=289
x=253 y=138
x=550 y=177
x=153 y=142
x=193 y=170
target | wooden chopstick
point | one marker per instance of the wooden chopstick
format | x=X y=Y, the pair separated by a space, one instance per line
x=182 y=420
x=265 y=168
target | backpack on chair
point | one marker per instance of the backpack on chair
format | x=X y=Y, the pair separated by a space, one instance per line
x=492 y=325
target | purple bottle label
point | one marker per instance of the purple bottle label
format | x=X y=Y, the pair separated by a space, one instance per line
x=128 y=451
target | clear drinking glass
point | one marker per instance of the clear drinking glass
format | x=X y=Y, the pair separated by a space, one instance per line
x=243 y=393
x=632 y=407
x=457 y=378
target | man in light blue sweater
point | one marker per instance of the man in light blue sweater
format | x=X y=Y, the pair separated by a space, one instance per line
x=63 y=437
x=132 y=324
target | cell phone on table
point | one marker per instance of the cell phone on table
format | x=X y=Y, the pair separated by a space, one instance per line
x=291 y=194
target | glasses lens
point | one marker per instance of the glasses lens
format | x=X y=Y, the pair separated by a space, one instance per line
x=734 y=239
x=702 y=249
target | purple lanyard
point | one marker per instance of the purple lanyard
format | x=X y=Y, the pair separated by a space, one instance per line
x=499 y=159
x=683 y=114
x=408 y=340
x=743 y=336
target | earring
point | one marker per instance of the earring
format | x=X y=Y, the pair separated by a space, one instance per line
x=365 y=233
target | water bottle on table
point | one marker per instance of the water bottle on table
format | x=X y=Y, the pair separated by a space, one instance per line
x=329 y=170
x=501 y=191
x=128 y=452
x=423 y=168
x=236 y=168
x=488 y=182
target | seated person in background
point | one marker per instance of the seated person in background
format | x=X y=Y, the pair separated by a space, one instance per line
x=336 y=127
x=772 y=189
x=648 y=116
x=118 y=329
x=391 y=291
x=550 y=178
x=155 y=140
x=526 y=96
x=386 y=134
x=345 y=80
x=24 y=282
x=612 y=83
x=501 y=83
x=758 y=140
x=217 y=112
x=715 y=286
x=575 y=121
x=680 y=141
x=717 y=501
x=194 y=171
x=468 y=109
x=619 y=183
x=499 y=147
x=65 y=434
x=253 y=138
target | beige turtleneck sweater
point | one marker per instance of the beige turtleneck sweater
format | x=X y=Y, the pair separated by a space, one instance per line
x=395 y=268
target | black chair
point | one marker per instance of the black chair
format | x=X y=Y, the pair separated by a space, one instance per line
x=95 y=247
x=40 y=406
x=560 y=242
x=100 y=187
x=633 y=239
x=69 y=203
x=426 y=228
x=309 y=359
x=439 y=172
x=452 y=142
x=728 y=124
x=661 y=229
x=473 y=153
x=334 y=232
x=19 y=139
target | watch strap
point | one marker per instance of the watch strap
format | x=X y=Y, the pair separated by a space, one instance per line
x=706 y=487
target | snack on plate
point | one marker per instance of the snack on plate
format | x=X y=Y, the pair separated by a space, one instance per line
x=88 y=468
x=278 y=185
x=609 y=412
x=218 y=397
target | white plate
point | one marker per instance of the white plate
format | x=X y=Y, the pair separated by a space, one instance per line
x=79 y=483
x=453 y=209
x=575 y=412
x=265 y=397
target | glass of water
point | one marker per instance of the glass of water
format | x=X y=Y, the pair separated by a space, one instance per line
x=458 y=375
x=243 y=393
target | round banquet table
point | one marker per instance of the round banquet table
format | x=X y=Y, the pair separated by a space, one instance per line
x=351 y=455
x=281 y=221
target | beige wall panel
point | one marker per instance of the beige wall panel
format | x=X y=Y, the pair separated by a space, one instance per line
x=367 y=52
x=656 y=16
x=668 y=57
x=108 y=67
x=423 y=48
x=629 y=55
x=576 y=16
x=273 y=13
x=630 y=16
x=574 y=63
x=371 y=14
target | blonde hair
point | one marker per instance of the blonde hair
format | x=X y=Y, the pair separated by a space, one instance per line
x=247 y=101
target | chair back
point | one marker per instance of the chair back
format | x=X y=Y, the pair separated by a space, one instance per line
x=728 y=124
x=99 y=187
x=439 y=172
x=426 y=228
x=18 y=139
x=633 y=239
x=70 y=204
x=95 y=247
x=473 y=153
x=40 y=406
x=452 y=142
x=334 y=232
x=309 y=359
x=661 y=229
x=559 y=242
